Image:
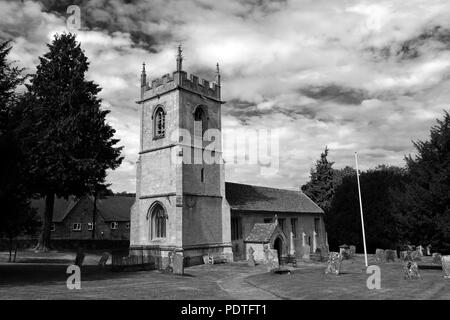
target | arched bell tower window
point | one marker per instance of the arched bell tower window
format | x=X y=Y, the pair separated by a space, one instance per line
x=200 y=121
x=159 y=122
x=158 y=219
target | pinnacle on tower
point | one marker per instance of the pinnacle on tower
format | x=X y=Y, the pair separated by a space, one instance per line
x=179 y=58
x=143 y=76
x=217 y=74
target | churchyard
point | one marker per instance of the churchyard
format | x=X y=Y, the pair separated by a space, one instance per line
x=43 y=276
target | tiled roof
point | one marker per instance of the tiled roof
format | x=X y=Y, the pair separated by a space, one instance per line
x=111 y=208
x=61 y=209
x=254 y=198
x=261 y=232
x=115 y=208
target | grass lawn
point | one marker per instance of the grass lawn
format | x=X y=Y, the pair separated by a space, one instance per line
x=310 y=282
x=43 y=276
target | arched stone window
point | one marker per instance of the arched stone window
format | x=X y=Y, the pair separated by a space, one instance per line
x=159 y=122
x=158 y=219
x=200 y=121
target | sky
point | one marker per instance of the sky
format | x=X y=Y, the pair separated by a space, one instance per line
x=353 y=75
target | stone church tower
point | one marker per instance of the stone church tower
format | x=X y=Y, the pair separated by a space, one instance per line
x=180 y=198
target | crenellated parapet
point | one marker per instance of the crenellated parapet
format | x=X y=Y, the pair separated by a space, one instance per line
x=184 y=80
x=180 y=79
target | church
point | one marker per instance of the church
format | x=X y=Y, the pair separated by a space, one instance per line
x=187 y=207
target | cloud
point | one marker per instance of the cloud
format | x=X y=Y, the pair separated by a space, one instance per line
x=354 y=75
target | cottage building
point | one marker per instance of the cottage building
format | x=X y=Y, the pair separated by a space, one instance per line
x=73 y=218
x=182 y=202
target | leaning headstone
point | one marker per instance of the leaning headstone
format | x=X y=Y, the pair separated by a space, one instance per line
x=411 y=270
x=334 y=263
x=437 y=259
x=416 y=256
x=446 y=266
x=103 y=259
x=272 y=259
x=79 y=259
x=251 y=258
x=306 y=252
x=390 y=255
x=178 y=266
x=379 y=255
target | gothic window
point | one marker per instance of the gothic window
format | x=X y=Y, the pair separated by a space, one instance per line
x=158 y=221
x=200 y=122
x=159 y=123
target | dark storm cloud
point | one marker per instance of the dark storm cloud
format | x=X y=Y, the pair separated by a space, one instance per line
x=336 y=93
x=435 y=38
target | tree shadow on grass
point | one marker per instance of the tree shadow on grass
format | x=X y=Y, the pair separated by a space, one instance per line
x=45 y=274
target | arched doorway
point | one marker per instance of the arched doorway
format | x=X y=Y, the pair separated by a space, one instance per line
x=278 y=245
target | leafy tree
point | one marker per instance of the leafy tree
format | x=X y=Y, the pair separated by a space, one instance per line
x=424 y=206
x=70 y=145
x=16 y=217
x=343 y=221
x=320 y=188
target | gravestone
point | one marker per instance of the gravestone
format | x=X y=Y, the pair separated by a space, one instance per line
x=411 y=270
x=437 y=259
x=298 y=248
x=405 y=255
x=103 y=259
x=334 y=263
x=416 y=256
x=208 y=259
x=178 y=266
x=344 y=251
x=352 y=251
x=420 y=250
x=271 y=259
x=380 y=255
x=428 y=250
x=79 y=259
x=306 y=252
x=390 y=255
x=446 y=266
x=251 y=259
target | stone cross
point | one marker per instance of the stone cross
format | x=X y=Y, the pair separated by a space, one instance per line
x=314 y=241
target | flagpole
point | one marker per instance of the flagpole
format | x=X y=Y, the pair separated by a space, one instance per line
x=361 y=209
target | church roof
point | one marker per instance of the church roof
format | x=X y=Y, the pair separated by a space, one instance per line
x=254 y=198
